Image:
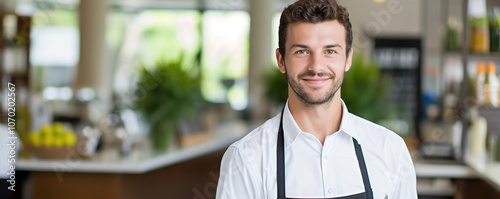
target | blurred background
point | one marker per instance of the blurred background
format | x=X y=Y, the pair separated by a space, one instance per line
x=134 y=99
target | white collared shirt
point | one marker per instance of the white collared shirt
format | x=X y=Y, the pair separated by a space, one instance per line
x=313 y=170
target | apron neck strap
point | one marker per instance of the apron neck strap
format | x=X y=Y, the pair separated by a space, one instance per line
x=362 y=167
x=280 y=158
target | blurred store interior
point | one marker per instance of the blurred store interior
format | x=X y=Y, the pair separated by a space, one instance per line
x=140 y=98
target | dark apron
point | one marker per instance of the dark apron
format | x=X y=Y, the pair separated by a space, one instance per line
x=368 y=194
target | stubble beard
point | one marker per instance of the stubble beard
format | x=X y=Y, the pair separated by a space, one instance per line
x=307 y=99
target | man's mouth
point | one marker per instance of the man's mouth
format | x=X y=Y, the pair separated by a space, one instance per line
x=316 y=81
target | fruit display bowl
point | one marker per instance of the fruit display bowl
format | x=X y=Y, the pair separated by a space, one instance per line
x=54 y=141
x=53 y=152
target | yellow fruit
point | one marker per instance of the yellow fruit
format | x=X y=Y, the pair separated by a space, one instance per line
x=59 y=141
x=58 y=128
x=46 y=130
x=35 y=139
x=69 y=138
x=48 y=141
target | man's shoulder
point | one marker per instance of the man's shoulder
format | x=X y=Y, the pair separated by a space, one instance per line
x=372 y=131
x=266 y=133
x=380 y=143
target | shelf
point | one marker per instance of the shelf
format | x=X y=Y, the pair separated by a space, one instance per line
x=2 y=13
x=434 y=188
x=489 y=112
x=23 y=29
x=457 y=171
x=492 y=117
x=17 y=75
x=494 y=56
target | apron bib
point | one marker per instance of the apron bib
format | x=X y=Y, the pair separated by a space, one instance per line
x=280 y=152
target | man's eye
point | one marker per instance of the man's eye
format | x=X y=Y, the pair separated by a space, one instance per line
x=302 y=52
x=330 y=52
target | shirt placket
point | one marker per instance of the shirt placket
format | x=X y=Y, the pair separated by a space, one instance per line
x=326 y=159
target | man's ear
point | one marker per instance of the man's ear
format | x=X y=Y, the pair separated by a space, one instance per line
x=349 y=60
x=280 y=60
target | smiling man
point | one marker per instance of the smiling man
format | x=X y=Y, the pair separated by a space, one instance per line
x=315 y=148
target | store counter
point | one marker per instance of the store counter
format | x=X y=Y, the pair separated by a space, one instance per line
x=177 y=173
x=435 y=179
x=486 y=170
x=142 y=160
x=477 y=178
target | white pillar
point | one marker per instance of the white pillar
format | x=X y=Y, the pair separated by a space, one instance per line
x=261 y=13
x=92 y=71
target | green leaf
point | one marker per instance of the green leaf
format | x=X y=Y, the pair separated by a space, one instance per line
x=172 y=90
x=364 y=89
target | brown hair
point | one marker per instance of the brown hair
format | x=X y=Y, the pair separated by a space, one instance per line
x=314 y=11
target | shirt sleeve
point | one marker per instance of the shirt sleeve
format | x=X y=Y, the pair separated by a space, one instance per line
x=405 y=179
x=237 y=177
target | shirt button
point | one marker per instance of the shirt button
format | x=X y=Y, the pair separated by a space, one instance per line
x=330 y=190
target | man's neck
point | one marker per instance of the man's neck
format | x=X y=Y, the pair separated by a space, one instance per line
x=319 y=120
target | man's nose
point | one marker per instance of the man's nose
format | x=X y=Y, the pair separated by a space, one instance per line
x=316 y=63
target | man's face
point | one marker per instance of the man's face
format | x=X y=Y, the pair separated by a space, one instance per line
x=315 y=60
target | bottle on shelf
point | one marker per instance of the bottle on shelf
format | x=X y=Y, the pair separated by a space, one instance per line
x=498 y=92
x=452 y=36
x=491 y=87
x=480 y=84
x=479 y=35
x=479 y=40
x=478 y=134
x=495 y=30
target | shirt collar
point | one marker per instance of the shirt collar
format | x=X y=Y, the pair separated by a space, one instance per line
x=292 y=130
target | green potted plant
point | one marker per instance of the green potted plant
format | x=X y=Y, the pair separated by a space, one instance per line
x=166 y=93
x=276 y=88
x=364 y=90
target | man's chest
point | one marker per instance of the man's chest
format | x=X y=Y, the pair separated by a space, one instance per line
x=326 y=171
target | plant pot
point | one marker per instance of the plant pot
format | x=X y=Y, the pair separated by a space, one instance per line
x=163 y=134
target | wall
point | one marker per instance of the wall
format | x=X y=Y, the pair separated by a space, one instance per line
x=392 y=18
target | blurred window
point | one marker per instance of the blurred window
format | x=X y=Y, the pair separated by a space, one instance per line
x=217 y=41
x=54 y=51
x=154 y=35
x=55 y=38
x=225 y=57
x=168 y=33
x=148 y=37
